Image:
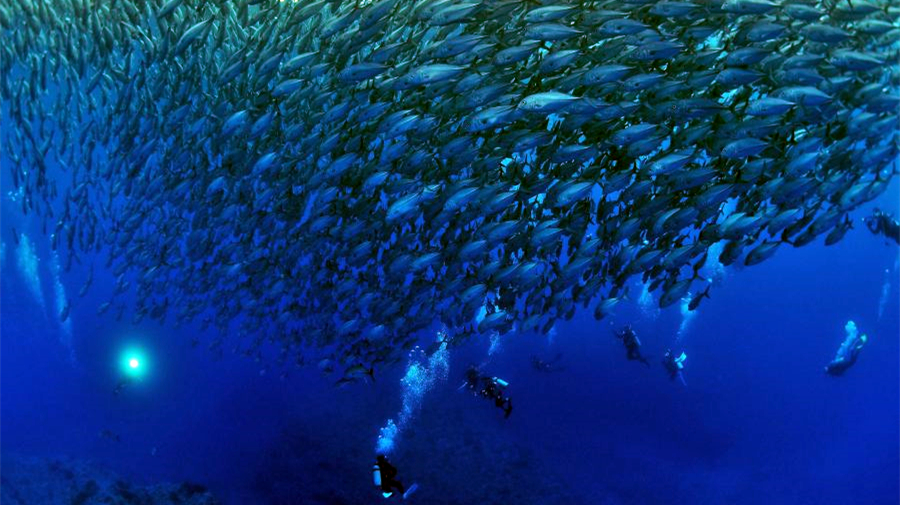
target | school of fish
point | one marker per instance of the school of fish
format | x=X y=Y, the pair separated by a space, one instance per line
x=334 y=176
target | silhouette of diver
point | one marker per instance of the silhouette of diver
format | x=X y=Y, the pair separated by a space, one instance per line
x=881 y=223
x=846 y=355
x=490 y=388
x=632 y=344
x=674 y=365
x=121 y=385
x=548 y=365
x=386 y=476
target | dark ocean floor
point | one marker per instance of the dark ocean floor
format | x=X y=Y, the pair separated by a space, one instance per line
x=64 y=481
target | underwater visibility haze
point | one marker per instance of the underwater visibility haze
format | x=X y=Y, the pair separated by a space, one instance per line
x=449 y=252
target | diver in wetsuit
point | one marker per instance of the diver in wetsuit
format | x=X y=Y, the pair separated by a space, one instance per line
x=386 y=476
x=846 y=355
x=674 y=365
x=547 y=366
x=472 y=378
x=490 y=388
x=632 y=344
x=121 y=385
x=881 y=223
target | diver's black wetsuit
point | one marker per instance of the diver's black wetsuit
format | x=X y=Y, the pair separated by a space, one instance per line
x=880 y=223
x=547 y=366
x=839 y=366
x=121 y=385
x=389 y=481
x=488 y=389
x=844 y=361
x=492 y=390
x=670 y=362
x=632 y=345
x=634 y=353
x=671 y=367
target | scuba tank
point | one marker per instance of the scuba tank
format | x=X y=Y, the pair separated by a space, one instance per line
x=500 y=382
x=376 y=475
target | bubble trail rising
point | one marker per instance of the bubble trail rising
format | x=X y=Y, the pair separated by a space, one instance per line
x=29 y=263
x=62 y=307
x=421 y=376
x=889 y=273
x=687 y=316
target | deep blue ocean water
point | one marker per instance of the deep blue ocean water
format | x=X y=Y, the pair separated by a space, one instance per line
x=757 y=423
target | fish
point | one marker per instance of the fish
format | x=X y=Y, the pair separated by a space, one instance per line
x=675 y=292
x=546 y=102
x=696 y=299
x=549 y=13
x=606 y=306
x=359 y=372
x=761 y=252
x=748 y=6
x=837 y=233
x=769 y=106
x=743 y=148
x=191 y=35
x=168 y=8
x=486 y=165
x=550 y=32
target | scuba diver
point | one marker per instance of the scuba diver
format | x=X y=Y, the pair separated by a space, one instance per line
x=847 y=354
x=490 y=388
x=547 y=365
x=881 y=223
x=385 y=476
x=632 y=344
x=120 y=386
x=674 y=366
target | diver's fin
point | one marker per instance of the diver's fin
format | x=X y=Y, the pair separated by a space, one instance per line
x=411 y=490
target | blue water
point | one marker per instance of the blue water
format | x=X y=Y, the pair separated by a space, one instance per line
x=758 y=421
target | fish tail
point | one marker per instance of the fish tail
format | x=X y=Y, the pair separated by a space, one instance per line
x=784 y=239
